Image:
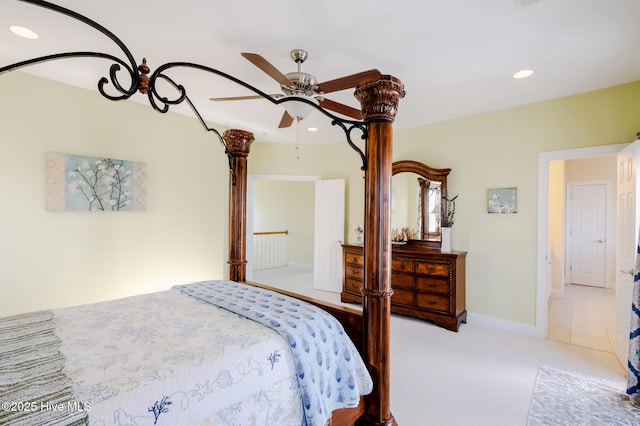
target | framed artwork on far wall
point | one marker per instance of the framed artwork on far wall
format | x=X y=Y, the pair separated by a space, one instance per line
x=81 y=183
x=502 y=200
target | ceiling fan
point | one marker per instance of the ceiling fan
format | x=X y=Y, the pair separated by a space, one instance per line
x=305 y=85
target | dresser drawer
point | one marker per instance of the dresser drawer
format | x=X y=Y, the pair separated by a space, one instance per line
x=433 y=302
x=352 y=286
x=426 y=283
x=402 y=266
x=433 y=285
x=351 y=271
x=356 y=259
x=402 y=281
x=433 y=269
x=402 y=297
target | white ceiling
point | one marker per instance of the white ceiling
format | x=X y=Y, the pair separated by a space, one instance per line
x=455 y=57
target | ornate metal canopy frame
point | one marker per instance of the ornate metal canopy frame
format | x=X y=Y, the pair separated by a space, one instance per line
x=379 y=102
x=145 y=84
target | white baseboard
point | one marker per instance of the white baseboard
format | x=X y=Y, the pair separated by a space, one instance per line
x=504 y=325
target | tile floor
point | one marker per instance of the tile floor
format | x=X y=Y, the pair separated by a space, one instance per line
x=584 y=316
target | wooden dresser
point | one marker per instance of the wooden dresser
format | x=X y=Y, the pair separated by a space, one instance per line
x=426 y=283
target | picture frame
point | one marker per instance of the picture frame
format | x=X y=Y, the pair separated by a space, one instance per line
x=85 y=183
x=502 y=200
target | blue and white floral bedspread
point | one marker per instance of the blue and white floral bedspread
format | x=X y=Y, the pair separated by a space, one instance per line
x=330 y=372
x=168 y=359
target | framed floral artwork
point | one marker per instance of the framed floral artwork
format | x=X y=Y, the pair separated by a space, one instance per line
x=502 y=200
x=81 y=183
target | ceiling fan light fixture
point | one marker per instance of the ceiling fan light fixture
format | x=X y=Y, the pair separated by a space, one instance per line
x=298 y=110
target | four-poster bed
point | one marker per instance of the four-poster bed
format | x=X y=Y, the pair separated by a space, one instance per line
x=379 y=97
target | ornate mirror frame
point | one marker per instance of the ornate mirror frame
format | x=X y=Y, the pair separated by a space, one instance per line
x=429 y=174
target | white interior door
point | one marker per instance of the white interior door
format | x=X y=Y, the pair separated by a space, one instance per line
x=328 y=235
x=588 y=234
x=249 y=230
x=627 y=223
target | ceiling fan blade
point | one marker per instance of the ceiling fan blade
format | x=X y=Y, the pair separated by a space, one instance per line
x=346 y=82
x=266 y=66
x=285 y=121
x=244 y=98
x=341 y=108
x=236 y=98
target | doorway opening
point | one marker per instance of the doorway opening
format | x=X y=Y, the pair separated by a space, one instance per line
x=582 y=305
x=279 y=194
x=544 y=254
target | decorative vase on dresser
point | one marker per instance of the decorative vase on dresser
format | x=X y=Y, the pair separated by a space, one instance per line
x=426 y=282
x=446 y=239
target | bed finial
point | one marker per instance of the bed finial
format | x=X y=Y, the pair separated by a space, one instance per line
x=238 y=142
x=144 y=70
x=379 y=98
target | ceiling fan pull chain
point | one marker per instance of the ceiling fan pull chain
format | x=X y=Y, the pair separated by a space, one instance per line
x=297 y=139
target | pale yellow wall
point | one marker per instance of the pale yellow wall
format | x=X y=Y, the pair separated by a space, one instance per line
x=66 y=258
x=287 y=205
x=492 y=150
x=590 y=169
x=332 y=161
x=50 y=260
x=404 y=209
x=401 y=204
x=500 y=149
x=556 y=225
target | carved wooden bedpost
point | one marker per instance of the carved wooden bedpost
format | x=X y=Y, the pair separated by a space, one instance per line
x=424 y=207
x=379 y=101
x=238 y=144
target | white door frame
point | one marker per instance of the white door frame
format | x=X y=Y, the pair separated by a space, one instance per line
x=543 y=288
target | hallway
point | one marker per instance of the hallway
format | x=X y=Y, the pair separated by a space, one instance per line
x=584 y=316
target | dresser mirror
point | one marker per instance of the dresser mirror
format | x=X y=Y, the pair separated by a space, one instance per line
x=416 y=201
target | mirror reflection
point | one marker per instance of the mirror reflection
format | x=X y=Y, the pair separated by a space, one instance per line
x=416 y=201
x=416 y=206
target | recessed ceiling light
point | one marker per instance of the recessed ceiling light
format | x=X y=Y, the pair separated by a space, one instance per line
x=312 y=129
x=523 y=74
x=23 y=32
